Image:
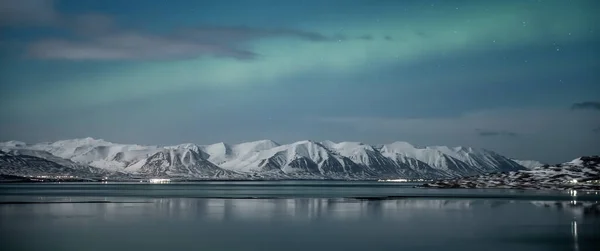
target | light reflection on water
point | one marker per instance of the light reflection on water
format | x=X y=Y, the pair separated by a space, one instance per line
x=296 y=224
x=575 y=236
x=292 y=216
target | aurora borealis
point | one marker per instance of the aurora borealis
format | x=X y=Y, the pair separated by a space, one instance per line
x=496 y=74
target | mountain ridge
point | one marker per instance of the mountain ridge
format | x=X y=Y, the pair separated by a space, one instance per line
x=305 y=159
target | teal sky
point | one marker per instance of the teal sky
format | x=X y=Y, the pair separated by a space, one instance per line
x=503 y=75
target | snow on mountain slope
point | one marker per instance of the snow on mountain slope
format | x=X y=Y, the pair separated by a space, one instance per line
x=483 y=160
x=582 y=173
x=302 y=159
x=254 y=146
x=220 y=153
x=70 y=148
x=97 y=153
x=529 y=164
x=265 y=158
x=12 y=163
x=190 y=147
x=246 y=157
x=47 y=156
x=434 y=158
x=422 y=169
x=180 y=162
x=371 y=160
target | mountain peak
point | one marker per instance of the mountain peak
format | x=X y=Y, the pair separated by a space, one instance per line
x=353 y=146
x=184 y=146
x=463 y=149
x=307 y=142
x=267 y=141
x=254 y=146
x=398 y=147
x=262 y=142
x=217 y=150
x=82 y=141
x=328 y=143
x=402 y=144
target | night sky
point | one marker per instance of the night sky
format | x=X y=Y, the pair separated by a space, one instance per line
x=520 y=77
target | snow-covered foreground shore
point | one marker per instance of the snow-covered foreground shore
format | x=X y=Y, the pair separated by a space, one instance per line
x=580 y=174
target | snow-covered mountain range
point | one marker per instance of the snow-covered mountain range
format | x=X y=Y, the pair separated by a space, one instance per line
x=251 y=160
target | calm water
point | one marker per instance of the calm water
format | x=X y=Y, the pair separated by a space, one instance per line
x=291 y=216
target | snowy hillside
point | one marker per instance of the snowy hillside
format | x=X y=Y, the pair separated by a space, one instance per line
x=457 y=161
x=581 y=173
x=268 y=159
x=33 y=166
x=180 y=162
x=95 y=152
x=529 y=164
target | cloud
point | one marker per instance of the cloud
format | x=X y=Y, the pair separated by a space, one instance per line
x=28 y=13
x=131 y=46
x=488 y=133
x=587 y=105
x=228 y=34
x=99 y=37
x=102 y=41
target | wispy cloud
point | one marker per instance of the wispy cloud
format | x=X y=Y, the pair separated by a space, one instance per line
x=28 y=12
x=95 y=36
x=101 y=41
x=130 y=46
x=587 y=105
x=490 y=133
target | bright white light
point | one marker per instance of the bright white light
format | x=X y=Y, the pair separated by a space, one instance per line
x=159 y=180
x=573 y=193
x=573 y=181
x=394 y=180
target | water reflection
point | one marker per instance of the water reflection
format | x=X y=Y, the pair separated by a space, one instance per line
x=575 y=235
x=354 y=224
x=257 y=209
x=577 y=208
x=266 y=209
